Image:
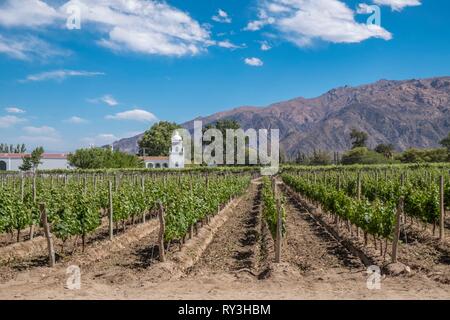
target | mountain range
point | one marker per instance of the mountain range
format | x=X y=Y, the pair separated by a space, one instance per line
x=408 y=113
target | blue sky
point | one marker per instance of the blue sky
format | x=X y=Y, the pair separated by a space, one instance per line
x=134 y=62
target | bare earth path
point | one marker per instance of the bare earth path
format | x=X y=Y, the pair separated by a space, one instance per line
x=237 y=264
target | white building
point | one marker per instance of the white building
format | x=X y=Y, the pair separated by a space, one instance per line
x=49 y=161
x=175 y=160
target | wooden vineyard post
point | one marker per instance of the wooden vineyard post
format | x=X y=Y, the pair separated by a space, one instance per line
x=402 y=183
x=336 y=217
x=22 y=188
x=442 y=209
x=397 y=229
x=358 y=191
x=34 y=201
x=162 y=230
x=84 y=184
x=48 y=235
x=279 y=238
x=111 y=212
x=143 y=192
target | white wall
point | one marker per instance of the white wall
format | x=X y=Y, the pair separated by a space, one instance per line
x=154 y=162
x=47 y=164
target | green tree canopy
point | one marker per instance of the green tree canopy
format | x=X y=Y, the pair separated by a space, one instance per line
x=320 y=158
x=223 y=126
x=317 y=158
x=26 y=164
x=446 y=142
x=158 y=139
x=19 y=148
x=387 y=150
x=363 y=156
x=33 y=161
x=414 y=155
x=359 y=138
x=101 y=158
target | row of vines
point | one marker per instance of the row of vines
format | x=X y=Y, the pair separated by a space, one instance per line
x=76 y=204
x=272 y=205
x=368 y=197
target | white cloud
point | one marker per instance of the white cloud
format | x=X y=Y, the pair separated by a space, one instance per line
x=44 y=130
x=29 y=48
x=107 y=99
x=277 y=8
x=263 y=20
x=228 y=45
x=147 y=27
x=76 y=120
x=9 y=121
x=398 y=5
x=45 y=136
x=258 y=24
x=134 y=115
x=222 y=17
x=303 y=21
x=14 y=110
x=60 y=75
x=265 y=46
x=27 y=13
x=45 y=141
x=143 y=26
x=254 y=62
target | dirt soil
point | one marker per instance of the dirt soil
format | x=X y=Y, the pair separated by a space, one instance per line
x=237 y=264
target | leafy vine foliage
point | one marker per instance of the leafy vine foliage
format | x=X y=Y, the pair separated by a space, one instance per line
x=76 y=204
x=381 y=188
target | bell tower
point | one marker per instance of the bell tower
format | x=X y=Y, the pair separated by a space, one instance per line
x=176 y=155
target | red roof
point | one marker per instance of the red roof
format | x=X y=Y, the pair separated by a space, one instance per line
x=44 y=156
x=155 y=158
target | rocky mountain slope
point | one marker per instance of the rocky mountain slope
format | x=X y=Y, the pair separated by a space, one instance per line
x=411 y=113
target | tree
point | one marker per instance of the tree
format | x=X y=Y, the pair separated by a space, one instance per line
x=359 y=138
x=387 y=150
x=36 y=156
x=158 y=139
x=317 y=158
x=26 y=164
x=363 y=156
x=446 y=143
x=423 y=155
x=302 y=158
x=320 y=158
x=223 y=126
x=32 y=161
x=101 y=158
x=19 y=148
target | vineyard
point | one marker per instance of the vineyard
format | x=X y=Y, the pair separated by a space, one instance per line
x=151 y=227
x=76 y=205
x=369 y=199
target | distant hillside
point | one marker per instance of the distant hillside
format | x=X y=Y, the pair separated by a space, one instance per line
x=411 y=113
